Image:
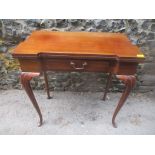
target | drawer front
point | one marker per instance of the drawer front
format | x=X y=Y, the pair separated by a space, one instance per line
x=30 y=65
x=76 y=65
x=36 y=65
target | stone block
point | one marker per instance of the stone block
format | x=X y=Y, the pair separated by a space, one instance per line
x=149 y=68
x=151 y=36
x=144 y=89
x=3 y=49
x=147 y=80
x=151 y=44
x=146 y=24
x=153 y=27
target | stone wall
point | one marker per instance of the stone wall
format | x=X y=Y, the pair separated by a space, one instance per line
x=141 y=32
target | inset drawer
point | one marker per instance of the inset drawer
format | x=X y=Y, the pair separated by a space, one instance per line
x=76 y=65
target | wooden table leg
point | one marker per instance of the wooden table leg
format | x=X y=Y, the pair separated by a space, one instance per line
x=46 y=85
x=129 y=82
x=107 y=86
x=25 y=80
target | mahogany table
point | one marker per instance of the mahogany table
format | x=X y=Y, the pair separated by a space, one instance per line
x=110 y=53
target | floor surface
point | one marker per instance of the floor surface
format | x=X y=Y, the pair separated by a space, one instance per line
x=75 y=113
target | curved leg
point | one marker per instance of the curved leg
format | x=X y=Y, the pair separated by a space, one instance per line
x=46 y=85
x=107 y=86
x=129 y=82
x=25 y=80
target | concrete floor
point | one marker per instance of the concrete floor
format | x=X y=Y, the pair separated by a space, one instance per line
x=76 y=113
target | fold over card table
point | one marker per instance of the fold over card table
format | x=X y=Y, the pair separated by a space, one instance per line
x=110 y=53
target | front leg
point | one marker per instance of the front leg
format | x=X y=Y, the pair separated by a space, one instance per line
x=129 y=82
x=25 y=80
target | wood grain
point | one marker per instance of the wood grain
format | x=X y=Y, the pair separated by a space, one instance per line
x=78 y=43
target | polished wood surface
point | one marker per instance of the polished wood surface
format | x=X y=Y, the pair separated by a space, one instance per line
x=78 y=43
x=106 y=66
x=129 y=82
x=56 y=51
x=25 y=80
x=110 y=53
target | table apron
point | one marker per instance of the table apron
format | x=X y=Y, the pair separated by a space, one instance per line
x=73 y=65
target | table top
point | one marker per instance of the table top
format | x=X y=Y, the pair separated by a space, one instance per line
x=78 y=43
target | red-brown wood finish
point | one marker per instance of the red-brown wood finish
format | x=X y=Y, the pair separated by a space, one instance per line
x=110 y=53
x=107 y=85
x=129 y=82
x=78 y=43
x=25 y=80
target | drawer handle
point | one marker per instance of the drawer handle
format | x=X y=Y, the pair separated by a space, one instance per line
x=78 y=68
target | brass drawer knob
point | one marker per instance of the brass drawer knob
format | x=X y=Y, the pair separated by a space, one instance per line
x=78 y=68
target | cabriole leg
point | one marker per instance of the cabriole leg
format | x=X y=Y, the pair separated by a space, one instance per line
x=46 y=85
x=129 y=82
x=25 y=80
x=107 y=86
